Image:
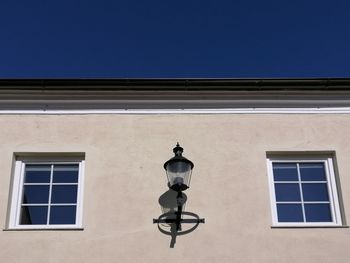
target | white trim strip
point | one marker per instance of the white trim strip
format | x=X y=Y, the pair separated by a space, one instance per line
x=15 y=194
x=331 y=110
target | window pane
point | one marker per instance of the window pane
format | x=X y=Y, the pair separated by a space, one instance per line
x=62 y=214
x=33 y=215
x=65 y=173
x=35 y=194
x=318 y=213
x=64 y=194
x=37 y=173
x=312 y=172
x=289 y=213
x=287 y=192
x=285 y=172
x=315 y=192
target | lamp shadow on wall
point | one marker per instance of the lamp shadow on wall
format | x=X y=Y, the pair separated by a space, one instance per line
x=168 y=202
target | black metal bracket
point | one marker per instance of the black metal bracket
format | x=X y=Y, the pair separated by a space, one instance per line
x=176 y=221
x=164 y=218
x=171 y=221
x=175 y=224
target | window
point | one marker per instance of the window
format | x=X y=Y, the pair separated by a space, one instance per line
x=303 y=192
x=47 y=194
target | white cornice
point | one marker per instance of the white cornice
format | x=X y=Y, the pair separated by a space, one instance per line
x=343 y=110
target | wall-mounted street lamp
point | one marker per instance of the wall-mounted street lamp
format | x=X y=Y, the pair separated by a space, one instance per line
x=179 y=171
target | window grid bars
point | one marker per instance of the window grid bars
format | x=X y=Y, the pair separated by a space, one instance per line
x=305 y=202
x=300 y=182
x=304 y=182
x=50 y=184
x=17 y=192
x=50 y=192
x=336 y=212
x=301 y=193
x=46 y=204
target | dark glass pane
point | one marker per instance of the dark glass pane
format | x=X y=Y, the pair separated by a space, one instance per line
x=65 y=173
x=62 y=214
x=33 y=215
x=37 y=173
x=318 y=213
x=285 y=172
x=312 y=172
x=179 y=172
x=35 y=194
x=64 y=194
x=315 y=192
x=289 y=213
x=287 y=192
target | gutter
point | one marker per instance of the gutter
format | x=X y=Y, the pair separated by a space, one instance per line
x=321 y=84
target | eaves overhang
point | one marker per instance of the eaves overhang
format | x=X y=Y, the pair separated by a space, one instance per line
x=129 y=94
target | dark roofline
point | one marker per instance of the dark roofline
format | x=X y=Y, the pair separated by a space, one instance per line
x=164 y=84
x=84 y=94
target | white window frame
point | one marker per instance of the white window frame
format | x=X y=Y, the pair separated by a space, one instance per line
x=17 y=192
x=331 y=186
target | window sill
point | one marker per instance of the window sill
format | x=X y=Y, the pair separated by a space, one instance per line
x=273 y=227
x=44 y=229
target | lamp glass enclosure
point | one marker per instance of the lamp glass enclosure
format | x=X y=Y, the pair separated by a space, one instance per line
x=179 y=173
x=178 y=170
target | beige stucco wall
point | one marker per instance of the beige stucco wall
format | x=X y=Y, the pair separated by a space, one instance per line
x=124 y=178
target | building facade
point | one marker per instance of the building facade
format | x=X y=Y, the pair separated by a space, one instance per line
x=82 y=172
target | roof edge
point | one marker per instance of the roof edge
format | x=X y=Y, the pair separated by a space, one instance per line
x=179 y=83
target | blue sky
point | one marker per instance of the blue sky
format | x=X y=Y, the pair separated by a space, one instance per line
x=174 y=39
